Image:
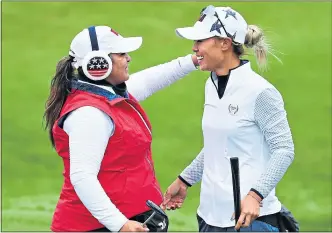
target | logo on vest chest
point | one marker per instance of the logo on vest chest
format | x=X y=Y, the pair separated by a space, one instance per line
x=233 y=109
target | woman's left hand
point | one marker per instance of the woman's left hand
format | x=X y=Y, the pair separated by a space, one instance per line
x=250 y=207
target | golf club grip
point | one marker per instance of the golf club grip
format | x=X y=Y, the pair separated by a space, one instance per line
x=236 y=187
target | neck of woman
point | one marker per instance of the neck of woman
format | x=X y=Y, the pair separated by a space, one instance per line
x=227 y=65
x=119 y=89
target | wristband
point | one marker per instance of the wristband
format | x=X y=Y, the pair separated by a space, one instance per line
x=254 y=198
x=258 y=193
x=184 y=181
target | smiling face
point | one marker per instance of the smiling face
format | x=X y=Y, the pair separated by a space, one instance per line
x=119 y=72
x=211 y=53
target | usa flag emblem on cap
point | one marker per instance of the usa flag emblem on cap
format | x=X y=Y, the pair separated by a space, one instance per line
x=97 y=66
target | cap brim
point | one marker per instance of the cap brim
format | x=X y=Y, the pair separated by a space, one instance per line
x=126 y=45
x=192 y=33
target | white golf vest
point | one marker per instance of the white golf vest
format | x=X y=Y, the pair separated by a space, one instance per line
x=229 y=131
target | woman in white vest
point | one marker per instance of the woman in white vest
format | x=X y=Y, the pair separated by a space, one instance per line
x=243 y=117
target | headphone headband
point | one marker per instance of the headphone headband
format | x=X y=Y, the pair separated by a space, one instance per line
x=93 y=38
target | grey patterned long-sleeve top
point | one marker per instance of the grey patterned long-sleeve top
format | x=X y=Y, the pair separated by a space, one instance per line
x=270 y=117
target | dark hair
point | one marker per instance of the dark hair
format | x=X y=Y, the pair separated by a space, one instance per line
x=60 y=88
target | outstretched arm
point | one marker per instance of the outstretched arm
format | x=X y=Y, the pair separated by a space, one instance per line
x=146 y=82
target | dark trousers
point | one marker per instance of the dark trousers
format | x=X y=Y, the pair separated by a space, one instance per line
x=156 y=224
x=255 y=226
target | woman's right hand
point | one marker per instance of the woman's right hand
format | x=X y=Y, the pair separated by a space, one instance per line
x=133 y=226
x=175 y=195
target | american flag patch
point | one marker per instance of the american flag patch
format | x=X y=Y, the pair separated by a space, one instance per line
x=97 y=66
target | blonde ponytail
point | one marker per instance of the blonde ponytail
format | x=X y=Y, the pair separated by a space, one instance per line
x=255 y=39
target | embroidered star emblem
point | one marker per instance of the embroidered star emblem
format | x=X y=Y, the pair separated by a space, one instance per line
x=229 y=12
x=216 y=26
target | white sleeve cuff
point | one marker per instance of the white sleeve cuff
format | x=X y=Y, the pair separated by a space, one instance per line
x=118 y=223
x=186 y=63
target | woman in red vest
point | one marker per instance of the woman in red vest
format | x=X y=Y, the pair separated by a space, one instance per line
x=103 y=135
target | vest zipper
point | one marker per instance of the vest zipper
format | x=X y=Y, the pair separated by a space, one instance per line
x=160 y=193
x=146 y=157
x=154 y=173
x=141 y=118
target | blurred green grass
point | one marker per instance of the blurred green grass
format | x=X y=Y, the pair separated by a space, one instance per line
x=36 y=35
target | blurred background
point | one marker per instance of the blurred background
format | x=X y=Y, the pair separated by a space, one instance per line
x=36 y=35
